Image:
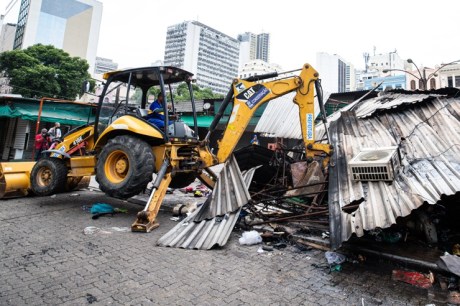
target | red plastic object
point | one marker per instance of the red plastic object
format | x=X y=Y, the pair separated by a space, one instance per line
x=414 y=278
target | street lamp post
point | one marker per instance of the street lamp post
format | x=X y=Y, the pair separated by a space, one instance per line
x=422 y=78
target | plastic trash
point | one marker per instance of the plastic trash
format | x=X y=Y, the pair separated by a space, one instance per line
x=89 y=230
x=120 y=229
x=100 y=208
x=250 y=238
x=414 y=278
x=334 y=258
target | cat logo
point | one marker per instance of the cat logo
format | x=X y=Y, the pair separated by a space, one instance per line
x=240 y=87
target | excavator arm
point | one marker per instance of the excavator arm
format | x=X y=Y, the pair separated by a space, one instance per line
x=248 y=95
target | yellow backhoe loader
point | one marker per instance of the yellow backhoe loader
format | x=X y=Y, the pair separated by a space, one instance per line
x=15 y=174
x=123 y=149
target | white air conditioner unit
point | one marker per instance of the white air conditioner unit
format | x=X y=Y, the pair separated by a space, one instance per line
x=375 y=164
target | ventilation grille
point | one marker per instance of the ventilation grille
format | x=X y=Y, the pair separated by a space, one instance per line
x=375 y=164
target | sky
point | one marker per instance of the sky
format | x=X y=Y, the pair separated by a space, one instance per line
x=133 y=33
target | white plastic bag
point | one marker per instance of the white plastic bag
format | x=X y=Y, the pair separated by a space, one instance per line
x=250 y=238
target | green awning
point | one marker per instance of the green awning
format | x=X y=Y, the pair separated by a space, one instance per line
x=63 y=112
x=205 y=121
x=202 y=121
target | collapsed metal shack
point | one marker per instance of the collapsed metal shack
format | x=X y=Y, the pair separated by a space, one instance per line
x=425 y=130
x=425 y=127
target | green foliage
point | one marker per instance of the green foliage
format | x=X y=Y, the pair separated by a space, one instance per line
x=41 y=70
x=182 y=93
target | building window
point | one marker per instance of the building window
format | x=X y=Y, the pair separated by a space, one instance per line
x=412 y=85
x=420 y=84
x=432 y=84
x=457 y=81
x=449 y=82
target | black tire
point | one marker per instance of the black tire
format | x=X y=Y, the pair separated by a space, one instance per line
x=48 y=176
x=125 y=166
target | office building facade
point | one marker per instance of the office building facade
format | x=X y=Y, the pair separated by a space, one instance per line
x=254 y=47
x=209 y=54
x=104 y=65
x=333 y=72
x=71 y=25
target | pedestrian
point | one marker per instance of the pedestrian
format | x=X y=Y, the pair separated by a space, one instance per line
x=55 y=135
x=254 y=140
x=55 y=131
x=42 y=141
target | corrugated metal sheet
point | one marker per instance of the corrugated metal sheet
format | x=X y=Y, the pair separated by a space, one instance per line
x=229 y=194
x=197 y=232
x=425 y=127
x=281 y=117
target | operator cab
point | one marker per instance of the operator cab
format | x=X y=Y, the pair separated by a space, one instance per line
x=126 y=92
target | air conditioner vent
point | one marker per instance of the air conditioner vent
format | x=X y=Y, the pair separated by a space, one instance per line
x=375 y=164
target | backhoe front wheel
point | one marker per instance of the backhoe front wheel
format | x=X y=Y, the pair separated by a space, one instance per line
x=48 y=176
x=125 y=166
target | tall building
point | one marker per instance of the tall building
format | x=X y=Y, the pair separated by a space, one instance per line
x=71 y=25
x=209 y=54
x=333 y=72
x=7 y=31
x=254 y=47
x=104 y=65
x=263 y=47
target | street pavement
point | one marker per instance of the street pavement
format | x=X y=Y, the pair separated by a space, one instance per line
x=48 y=259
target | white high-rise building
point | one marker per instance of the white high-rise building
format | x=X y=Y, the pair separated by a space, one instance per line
x=333 y=72
x=253 y=47
x=7 y=31
x=71 y=25
x=209 y=54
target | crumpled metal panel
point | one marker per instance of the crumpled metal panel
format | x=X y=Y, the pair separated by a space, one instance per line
x=196 y=232
x=202 y=235
x=427 y=131
x=229 y=193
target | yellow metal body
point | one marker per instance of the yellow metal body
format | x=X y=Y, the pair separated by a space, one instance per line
x=145 y=221
x=15 y=179
x=128 y=125
x=253 y=95
x=247 y=98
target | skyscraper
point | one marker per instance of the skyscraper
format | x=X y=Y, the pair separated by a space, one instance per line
x=71 y=25
x=333 y=72
x=254 y=47
x=263 y=47
x=209 y=54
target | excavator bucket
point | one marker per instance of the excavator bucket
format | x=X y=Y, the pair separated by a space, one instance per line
x=15 y=179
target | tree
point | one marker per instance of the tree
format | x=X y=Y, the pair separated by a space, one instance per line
x=41 y=70
x=182 y=93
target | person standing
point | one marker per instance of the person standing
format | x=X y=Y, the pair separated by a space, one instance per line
x=255 y=140
x=55 y=131
x=41 y=143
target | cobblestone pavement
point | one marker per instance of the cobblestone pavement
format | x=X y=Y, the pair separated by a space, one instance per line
x=46 y=258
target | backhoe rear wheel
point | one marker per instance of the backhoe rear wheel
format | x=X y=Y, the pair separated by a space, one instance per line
x=125 y=166
x=48 y=176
